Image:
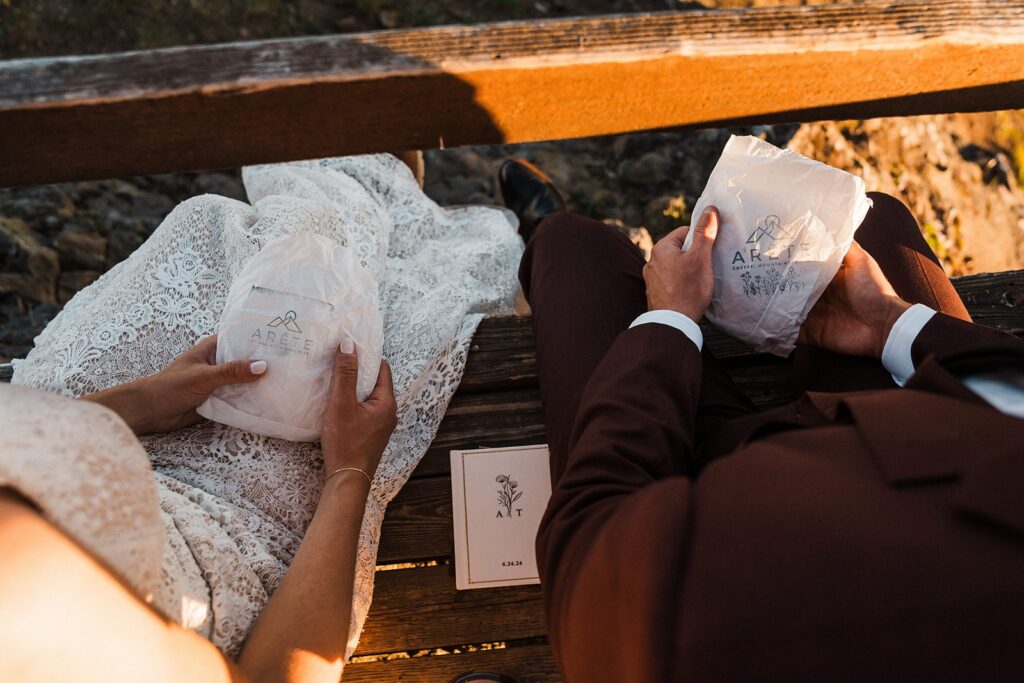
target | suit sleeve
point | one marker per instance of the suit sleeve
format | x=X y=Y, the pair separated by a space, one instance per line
x=612 y=542
x=987 y=362
x=946 y=337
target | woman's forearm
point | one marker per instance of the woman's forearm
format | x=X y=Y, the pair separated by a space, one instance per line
x=302 y=633
x=129 y=401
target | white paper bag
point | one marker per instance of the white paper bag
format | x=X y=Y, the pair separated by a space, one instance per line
x=786 y=222
x=291 y=306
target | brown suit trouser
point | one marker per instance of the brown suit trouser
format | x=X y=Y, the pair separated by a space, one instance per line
x=584 y=282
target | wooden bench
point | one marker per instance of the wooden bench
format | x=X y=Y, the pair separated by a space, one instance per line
x=216 y=106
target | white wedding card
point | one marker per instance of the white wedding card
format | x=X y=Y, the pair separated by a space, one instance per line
x=498 y=498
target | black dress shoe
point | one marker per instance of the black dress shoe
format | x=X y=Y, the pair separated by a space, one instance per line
x=529 y=193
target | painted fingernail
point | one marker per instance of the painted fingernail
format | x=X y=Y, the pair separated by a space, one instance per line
x=258 y=367
x=347 y=346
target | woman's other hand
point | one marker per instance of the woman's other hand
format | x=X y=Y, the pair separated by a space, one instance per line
x=168 y=400
x=356 y=433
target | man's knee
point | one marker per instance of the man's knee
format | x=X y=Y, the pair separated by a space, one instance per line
x=563 y=234
x=887 y=219
x=885 y=203
x=562 y=226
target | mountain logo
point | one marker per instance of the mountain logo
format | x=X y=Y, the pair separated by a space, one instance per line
x=288 y=321
x=769 y=227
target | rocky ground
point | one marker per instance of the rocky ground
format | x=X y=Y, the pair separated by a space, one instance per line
x=961 y=175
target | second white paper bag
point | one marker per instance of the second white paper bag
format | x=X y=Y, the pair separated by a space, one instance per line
x=786 y=222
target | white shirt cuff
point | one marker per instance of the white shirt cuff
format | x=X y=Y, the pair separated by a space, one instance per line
x=673 y=319
x=896 y=356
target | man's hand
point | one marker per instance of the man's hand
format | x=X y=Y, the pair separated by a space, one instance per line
x=680 y=280
x=857 y=310
x=168 y=400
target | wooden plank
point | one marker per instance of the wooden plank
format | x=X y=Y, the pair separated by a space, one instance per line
x=995 y=299
x=228 y=105
x=502 y=355
x=418 y=523
x=417 y=609
x=527 y=664
x=507 y=418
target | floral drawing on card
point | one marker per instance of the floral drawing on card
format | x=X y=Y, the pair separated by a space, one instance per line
x=508 y=495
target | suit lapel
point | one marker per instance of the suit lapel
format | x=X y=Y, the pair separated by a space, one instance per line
x=913 y=436
x=917 y=437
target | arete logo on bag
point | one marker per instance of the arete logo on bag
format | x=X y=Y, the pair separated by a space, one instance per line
x=289 y=339
x=769 y=228
x=762 y=265
x=288 y=321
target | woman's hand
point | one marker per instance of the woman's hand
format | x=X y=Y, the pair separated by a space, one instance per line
x=856 y=311
x=168 y=400
x=355 y=434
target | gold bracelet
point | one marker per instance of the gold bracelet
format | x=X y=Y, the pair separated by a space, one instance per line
x=369 y=479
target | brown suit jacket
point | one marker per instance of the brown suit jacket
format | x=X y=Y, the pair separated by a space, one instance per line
x=865 y=536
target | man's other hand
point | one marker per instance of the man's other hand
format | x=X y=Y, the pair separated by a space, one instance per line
x=857 y=310
x=680 y=280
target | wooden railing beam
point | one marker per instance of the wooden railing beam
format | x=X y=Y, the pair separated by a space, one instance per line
x=228 y=105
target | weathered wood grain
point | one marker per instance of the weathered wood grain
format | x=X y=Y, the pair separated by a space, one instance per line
x=503 y=418
x=527 y=664
x=995 y=299
x=227 y=105
x=502 y=355
x=415 y=609
x=418 y=523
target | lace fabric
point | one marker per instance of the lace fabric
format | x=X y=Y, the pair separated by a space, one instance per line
x=231 y=507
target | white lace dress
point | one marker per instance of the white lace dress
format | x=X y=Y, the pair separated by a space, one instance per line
x=210 y=541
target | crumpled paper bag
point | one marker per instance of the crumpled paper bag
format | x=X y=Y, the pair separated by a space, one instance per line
x=291 y=306
x=786 y=222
